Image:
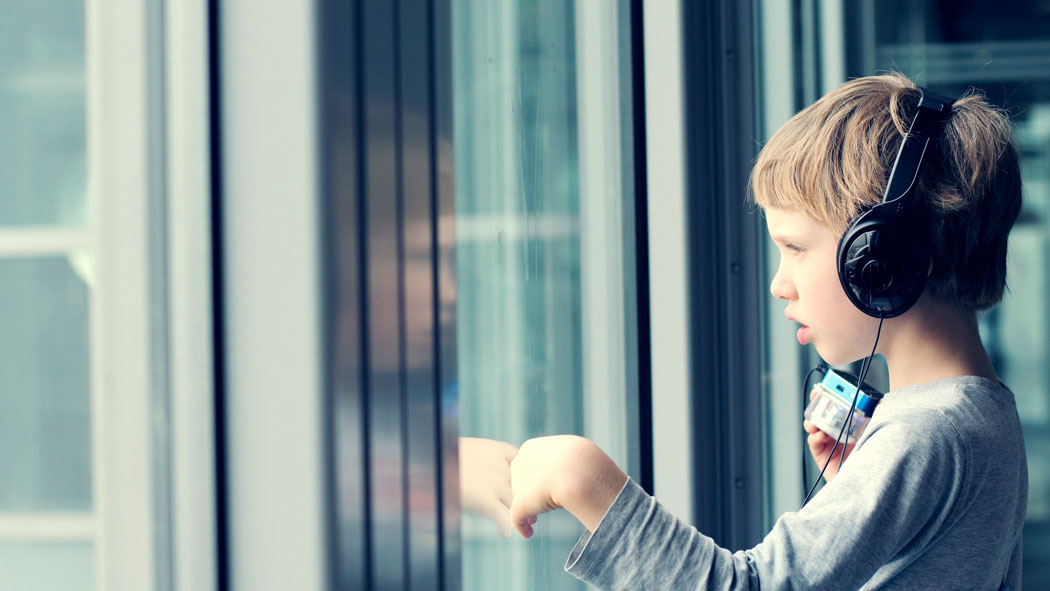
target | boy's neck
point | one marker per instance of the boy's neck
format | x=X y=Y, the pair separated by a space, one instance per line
x=934 y=341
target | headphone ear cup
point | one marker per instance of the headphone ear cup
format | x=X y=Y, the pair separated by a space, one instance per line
x=881 y=268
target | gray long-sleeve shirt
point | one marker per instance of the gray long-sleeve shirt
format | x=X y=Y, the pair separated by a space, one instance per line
x=932 y=497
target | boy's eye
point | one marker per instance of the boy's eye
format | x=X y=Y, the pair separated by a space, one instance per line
x=794 y=247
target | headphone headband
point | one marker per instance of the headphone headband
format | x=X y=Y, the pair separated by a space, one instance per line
x=930 y=114
x=883 y=258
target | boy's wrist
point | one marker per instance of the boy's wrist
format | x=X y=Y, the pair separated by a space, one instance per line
x=589 y=483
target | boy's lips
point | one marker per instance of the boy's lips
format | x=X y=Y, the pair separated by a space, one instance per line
x=803 y=335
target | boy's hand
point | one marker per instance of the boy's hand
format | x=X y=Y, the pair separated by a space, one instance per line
x=563 y=471
x=820 y=444
x=484 y=479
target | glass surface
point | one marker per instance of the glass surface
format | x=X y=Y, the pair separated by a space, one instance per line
x=42 y=113
x=45 y=447
x=544 y=240
x=1003 y=50
x=45 y=418
x=46 y=566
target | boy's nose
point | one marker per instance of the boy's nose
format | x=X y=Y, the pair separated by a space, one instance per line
x=781 y=288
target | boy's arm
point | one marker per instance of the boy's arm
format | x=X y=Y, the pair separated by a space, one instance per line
x=563 y=471
x=879 y=503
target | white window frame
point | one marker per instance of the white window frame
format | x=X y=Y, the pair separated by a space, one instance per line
x=194 y=534
x=271 y=230
x=673 y=460
x=610 y=368
x=153 y=443
x=122 y=198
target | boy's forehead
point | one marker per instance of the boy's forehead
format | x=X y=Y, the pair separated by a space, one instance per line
x=790 y=226
x=787 y=223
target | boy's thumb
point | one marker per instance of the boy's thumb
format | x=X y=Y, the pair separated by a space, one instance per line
x=522 y=519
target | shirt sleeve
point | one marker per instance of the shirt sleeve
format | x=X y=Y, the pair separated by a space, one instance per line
x=1013 y=575
x=889 y=499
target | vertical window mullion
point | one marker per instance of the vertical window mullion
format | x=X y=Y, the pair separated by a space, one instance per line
x=128 y=355
x=189 y=271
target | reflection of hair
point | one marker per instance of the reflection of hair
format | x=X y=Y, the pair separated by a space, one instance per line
x=831 y=160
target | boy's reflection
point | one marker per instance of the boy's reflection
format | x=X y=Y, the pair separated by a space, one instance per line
x=484 y=480
x=484 y=464
x=401 y=340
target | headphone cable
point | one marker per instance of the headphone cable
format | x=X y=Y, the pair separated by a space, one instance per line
x=864 y=367
x=823 y=369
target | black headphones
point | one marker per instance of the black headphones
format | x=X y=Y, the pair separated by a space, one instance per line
x=883 y=257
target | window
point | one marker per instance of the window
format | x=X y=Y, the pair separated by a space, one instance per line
x=47 y=530
x=87 y=463
x=545 y=271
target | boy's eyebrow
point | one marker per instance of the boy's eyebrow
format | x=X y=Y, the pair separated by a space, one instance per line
x=784 y=238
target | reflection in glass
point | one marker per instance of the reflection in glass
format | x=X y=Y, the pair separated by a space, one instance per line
x=544 y=267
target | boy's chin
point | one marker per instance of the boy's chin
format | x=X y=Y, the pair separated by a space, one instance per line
x=835 y=358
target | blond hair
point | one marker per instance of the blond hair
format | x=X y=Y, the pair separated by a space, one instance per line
x=832 y=159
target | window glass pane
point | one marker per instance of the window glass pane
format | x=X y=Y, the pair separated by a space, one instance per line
x=47 y=566
x=45 y=448
x=1003 y=50
x=45 y=439
x=544 y=237
x=42 y=113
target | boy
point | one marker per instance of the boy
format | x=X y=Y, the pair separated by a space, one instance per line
x=933 y=496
